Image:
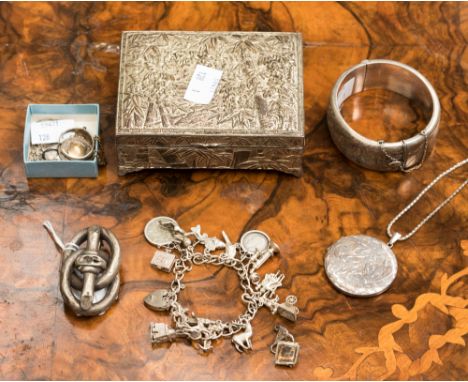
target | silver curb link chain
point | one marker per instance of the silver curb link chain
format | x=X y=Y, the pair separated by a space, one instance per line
x=257 y=292
x=397 y=237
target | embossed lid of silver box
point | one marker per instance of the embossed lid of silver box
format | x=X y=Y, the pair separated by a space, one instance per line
x=255 y=119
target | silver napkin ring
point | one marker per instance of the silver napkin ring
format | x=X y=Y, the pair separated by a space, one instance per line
x=405 y=155
x=76 y=144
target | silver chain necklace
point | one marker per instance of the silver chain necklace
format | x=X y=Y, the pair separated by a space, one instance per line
x=246 y=257
x=364 y=266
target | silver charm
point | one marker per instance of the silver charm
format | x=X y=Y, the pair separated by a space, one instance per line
x=211 y=243
x=288 y=309
x=199 y=327
x=360 y=265
x=163 y=261
x=257 y=292
x=231 y=249
x=271 y=282
x=285 y=349
x=161 y=231
x=255 y=241
x=242 y=341
x=159 y=300
x=161 y=333
x=262 y=257
x=260 y=246
x=205 y=345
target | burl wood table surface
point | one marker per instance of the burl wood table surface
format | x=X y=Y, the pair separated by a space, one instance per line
x=69 y=53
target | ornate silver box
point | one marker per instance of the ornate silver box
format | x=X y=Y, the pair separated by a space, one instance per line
x=255 y=119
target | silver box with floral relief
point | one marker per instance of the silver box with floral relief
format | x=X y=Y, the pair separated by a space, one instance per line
x=254 y=121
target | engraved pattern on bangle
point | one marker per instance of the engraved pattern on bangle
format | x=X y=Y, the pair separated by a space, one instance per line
x=406 y=155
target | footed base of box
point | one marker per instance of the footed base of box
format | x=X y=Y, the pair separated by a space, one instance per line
x=134 y=158
x=125 y=170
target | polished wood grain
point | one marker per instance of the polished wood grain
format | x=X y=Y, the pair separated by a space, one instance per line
x=69 y=53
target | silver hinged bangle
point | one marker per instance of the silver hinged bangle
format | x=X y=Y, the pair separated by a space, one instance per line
x=405 y=155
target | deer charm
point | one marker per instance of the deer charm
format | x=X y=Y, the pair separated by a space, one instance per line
x=242 y=340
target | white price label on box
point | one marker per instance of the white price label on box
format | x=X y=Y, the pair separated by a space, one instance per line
x=49 y=131
x=203 y=85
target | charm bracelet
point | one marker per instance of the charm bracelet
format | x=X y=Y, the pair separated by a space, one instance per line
x=245 y=258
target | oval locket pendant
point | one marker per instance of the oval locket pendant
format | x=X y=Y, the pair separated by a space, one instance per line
x=360 y=265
